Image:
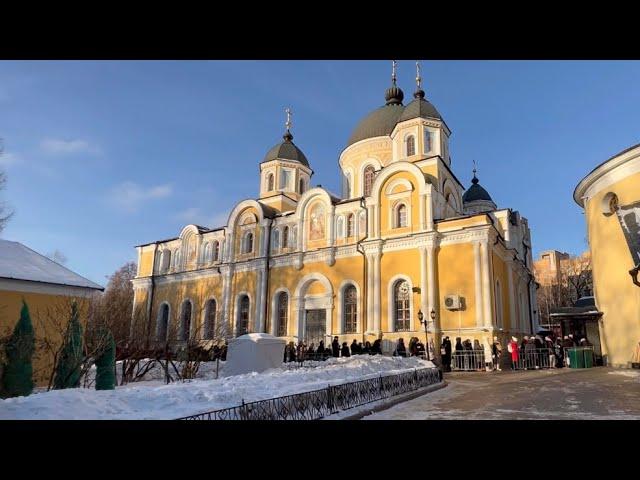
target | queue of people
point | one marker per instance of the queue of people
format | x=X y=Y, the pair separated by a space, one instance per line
x=302 y=351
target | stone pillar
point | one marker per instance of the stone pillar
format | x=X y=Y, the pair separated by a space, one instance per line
x=226 y=301
x=376 y=292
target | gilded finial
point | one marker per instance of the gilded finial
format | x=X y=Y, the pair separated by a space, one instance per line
x=393 y=72
x=418 y=77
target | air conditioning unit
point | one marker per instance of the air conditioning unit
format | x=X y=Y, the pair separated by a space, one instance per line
x=452 y=302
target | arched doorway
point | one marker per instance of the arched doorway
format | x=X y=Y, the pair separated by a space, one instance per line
x=314 y=296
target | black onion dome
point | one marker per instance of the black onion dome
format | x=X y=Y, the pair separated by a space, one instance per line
x=419 y=108
x=475 y=192
x=286 y=150
x=381 y=121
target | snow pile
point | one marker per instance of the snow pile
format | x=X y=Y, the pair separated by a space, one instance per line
x=154 y=400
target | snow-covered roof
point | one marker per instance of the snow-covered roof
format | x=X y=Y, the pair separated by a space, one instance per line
x=259 y=338
x=19 y=262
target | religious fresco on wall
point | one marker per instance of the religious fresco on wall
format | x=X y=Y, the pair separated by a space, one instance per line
x=629 y=218
x=317 y=222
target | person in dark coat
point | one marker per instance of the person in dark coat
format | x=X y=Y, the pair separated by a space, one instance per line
x=401 y=350
x=412 y=346
x=360 y=348
x=420 y=352
x=445 y=352
x=376 y=348
x=320 y=350
x=530 y=354
x=345 y=350
x=558 y=349
x=354 y=347
x=366 y=349
x=335 y=347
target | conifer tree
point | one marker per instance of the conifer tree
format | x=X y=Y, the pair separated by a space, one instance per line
x=70 y=361
x=17 y=377
x=106 y=365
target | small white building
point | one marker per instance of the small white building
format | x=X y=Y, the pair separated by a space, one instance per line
x=254 y=352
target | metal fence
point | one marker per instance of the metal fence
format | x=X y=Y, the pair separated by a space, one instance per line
x=476 y=361
x=535 y=359
x=318 y=404
x=468 y=360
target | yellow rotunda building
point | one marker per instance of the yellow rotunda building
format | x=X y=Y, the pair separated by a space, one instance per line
x=302 y=263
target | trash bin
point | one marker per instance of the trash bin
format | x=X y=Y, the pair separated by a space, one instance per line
x=588 y=358
x=576 y=357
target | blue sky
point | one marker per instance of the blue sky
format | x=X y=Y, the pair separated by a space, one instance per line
x=102 y=156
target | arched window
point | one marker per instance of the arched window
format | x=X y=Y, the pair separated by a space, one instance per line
x=347 y=185
x=243 y=315
x=285 y=237
x=301 y=185
x=340 y=227
x=363 y=223
x=350 y=225
x=368 y=178
x=247 y=244
x=401 y=216
x=294 y=231
x=275 y=240
x=216 y=251
x=402 y=310
x=428 y=141
x=350 y=309
x=185 y=322
x=166 y=261
x=163 y=323
x=176 y=259
x=210 y=320
x=411 y=145
x=283 y=313
x=270 y=182
x=206 y=255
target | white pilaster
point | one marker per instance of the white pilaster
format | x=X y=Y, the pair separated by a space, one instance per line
x=370 y=270
x=376 y=292
x=429 y=209
x=478 y=284
x=512 y=298
x=431 y=284
x=486 y=282
x=424 y=296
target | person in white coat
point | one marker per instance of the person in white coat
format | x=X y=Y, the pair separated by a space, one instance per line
x=488 y=360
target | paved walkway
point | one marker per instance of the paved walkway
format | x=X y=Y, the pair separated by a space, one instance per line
x=596 y=393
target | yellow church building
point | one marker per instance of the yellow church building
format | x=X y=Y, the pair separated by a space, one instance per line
x=610 y=197
x=302 y=263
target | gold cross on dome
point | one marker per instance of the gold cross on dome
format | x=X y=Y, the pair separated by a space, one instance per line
x=288 y=122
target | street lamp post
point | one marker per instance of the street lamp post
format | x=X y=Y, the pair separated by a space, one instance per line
x=424 y=322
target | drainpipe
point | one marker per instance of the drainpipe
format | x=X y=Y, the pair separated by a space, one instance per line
x=531 y=277
x=364 y=266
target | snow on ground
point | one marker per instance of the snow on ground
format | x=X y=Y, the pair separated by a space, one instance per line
x=155 y=400
x=627 y=373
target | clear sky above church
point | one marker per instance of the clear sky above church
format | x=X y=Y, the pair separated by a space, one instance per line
x=102 y=156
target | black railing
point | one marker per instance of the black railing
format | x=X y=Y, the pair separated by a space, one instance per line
x=318 y=404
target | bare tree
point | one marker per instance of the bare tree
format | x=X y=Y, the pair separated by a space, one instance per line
x=57 y=256
x=5 y=212
x=574 y=280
